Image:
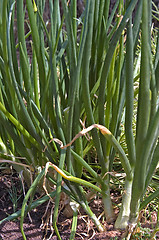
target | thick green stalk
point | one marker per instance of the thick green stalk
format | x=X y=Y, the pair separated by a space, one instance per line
x=36 y=41
x=89 y=112
x=143 y=115
x=118 y=98
x=103 y=10
x=99 y=43
x=1 y=9
x=39 y=8
x=35 y=80
x=123 y=217
x=13 y=49
x=78 y=144
x=20 y=25
x=74 y=16
x=72 y=55
x=153 y=88
x=94 y=48
x=4 y=35
x=54 y=108
x=129 y=95
x=75 y=66
x=4 y=59
x=136 y=23
x=86 y=89
x=123 y=158
x=76 y=126
x=109 y=97
x=25 y=71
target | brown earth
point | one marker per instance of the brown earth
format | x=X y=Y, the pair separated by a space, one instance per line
x=34 y=230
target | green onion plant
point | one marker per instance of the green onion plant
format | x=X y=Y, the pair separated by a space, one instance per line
x=67 y=73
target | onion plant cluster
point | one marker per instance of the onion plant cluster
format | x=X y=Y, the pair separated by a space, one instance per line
x=81 y=74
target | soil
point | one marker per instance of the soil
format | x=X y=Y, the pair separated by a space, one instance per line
x=36 y=231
